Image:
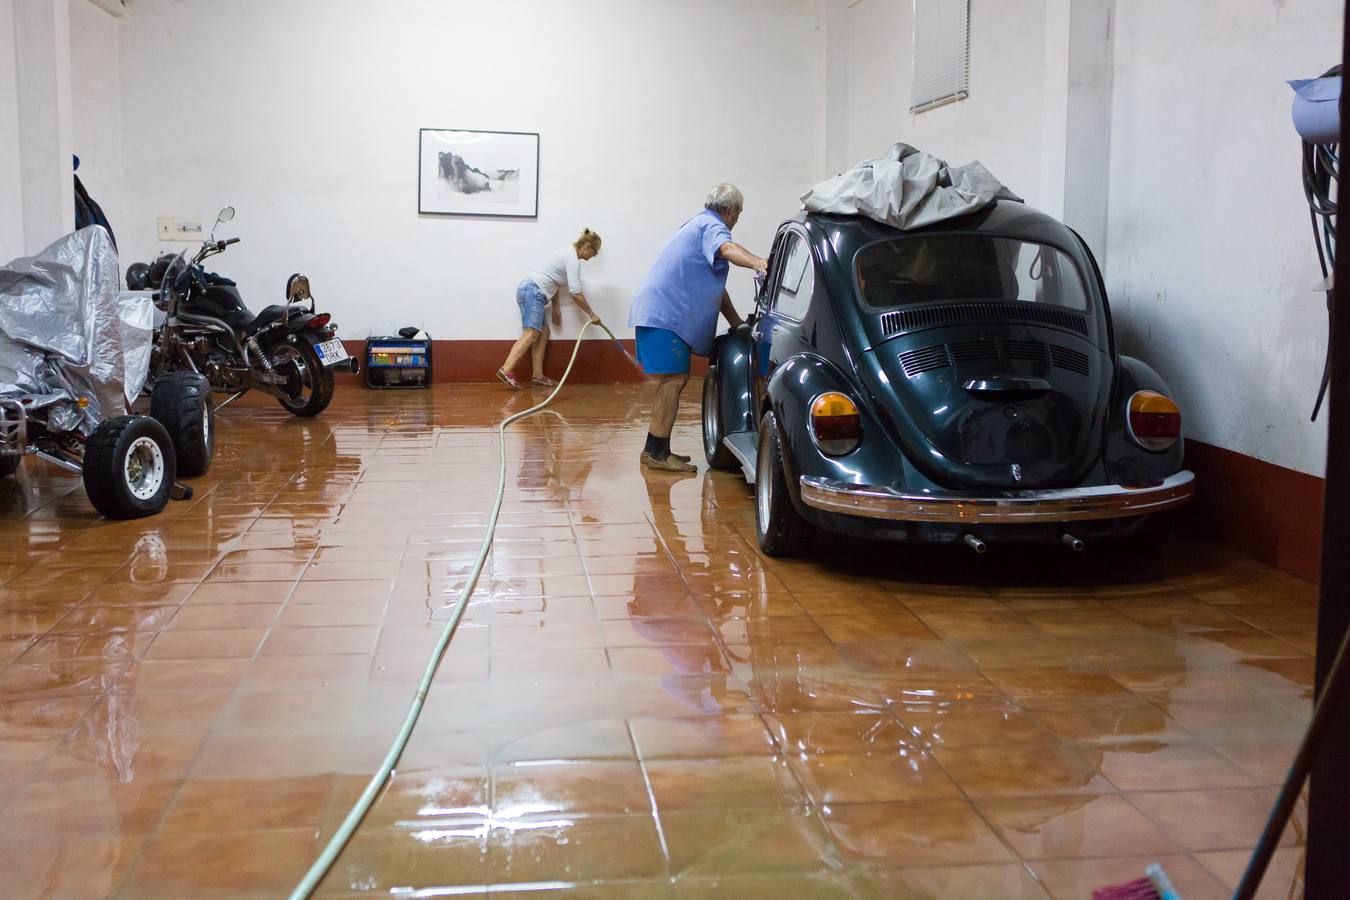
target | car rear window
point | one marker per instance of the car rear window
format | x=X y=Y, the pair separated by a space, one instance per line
x=948 y=267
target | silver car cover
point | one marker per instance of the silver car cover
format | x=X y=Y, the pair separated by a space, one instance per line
x=907 y=188
x=67 y=334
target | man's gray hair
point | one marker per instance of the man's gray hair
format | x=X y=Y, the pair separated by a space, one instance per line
x=725 y=199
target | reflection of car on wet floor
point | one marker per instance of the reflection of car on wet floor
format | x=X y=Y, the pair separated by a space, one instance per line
x=954 y=382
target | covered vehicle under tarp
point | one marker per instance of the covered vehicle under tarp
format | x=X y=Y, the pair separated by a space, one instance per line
x=67 y=335
x=907 y=188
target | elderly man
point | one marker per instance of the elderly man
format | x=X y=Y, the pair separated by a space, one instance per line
x=675 y=311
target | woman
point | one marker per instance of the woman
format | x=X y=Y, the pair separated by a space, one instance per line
x=560 y=271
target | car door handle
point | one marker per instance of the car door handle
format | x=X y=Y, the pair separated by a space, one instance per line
x=1008 y=384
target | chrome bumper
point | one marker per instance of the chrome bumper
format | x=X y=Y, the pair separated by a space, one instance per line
x=1004 y=507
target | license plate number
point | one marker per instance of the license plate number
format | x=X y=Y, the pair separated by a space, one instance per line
x=331 y=352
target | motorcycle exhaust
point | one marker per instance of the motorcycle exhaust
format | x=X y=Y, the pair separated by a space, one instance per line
x=1072 y=543
x=975 y=543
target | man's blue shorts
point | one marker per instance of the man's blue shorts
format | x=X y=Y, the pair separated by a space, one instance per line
x=662 y=352
x=532 y=303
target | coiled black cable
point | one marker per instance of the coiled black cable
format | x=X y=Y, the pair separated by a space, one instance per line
x=1321 y=185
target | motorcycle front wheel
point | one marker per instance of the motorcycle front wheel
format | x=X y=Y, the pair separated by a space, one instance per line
x=308 y=385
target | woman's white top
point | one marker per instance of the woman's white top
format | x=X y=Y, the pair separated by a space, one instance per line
x=561 y=269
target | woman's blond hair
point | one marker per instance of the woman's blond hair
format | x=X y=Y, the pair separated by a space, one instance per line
x=589 y=238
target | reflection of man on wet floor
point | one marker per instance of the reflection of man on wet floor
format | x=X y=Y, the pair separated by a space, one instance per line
x=700 y=678
x=675 y=311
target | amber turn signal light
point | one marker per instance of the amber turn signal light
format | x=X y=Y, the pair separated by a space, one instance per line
x=835 y=423
x=1153 y=421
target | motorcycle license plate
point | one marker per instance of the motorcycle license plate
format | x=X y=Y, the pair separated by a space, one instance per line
x=331 y=352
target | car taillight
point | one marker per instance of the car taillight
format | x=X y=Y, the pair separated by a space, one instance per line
x=835 y=423
x=318 y=321
x=1153 y=420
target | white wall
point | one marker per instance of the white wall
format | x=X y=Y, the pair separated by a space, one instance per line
x=304 y=115
x=1206 y=247
x=1210 y=257
x=1000 y=124
x=11 y=185
x=96 y=112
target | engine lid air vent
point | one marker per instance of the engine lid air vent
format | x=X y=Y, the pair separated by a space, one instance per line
x=1030 y=350
x=916 y=362
x=968 y=351
x=940 y=356
x=1064 y=358
x=899 y=321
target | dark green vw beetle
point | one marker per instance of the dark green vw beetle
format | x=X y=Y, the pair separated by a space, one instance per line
x=958 y=382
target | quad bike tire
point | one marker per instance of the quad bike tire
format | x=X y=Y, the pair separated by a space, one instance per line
x=315 y=394
x=718 y=455
x=129 y=467
x=181 y=402
x=780 y=527
x=9 y=465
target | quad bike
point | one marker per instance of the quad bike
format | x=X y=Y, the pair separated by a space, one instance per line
x=128 y=463
x=73 y=353
x=287 y=350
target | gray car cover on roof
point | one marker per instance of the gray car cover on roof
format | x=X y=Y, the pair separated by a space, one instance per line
x=907 y=188
x=67 y=333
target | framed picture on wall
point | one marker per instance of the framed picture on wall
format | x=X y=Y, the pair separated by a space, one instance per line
x=478 y=173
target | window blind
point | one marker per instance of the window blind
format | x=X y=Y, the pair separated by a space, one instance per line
x=941 y=53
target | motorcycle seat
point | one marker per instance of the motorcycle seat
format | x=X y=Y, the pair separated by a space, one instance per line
x=268 y=315
x=246 y=324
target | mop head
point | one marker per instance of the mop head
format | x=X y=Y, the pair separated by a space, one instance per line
x=1155 y=885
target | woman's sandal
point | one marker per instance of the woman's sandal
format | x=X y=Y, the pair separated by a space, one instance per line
x=508 y=379
x=543 y=381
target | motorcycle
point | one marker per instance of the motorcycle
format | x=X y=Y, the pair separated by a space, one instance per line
x=288 y=350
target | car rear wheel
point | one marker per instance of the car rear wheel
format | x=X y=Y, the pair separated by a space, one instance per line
x=714 y=451
x=129 y=467
x=781 y=529
x=181 y=402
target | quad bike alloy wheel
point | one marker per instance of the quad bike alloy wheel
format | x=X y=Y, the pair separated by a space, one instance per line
x=129 y=467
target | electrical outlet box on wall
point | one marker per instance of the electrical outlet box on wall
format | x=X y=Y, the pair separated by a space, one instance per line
x=180 y=229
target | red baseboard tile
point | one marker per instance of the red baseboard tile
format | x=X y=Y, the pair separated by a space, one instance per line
x=1260 y=509
x=465 y=362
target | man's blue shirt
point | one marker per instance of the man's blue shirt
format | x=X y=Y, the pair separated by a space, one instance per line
x=683 y=290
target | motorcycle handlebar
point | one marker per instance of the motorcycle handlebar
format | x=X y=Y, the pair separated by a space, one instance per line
x=221 y=245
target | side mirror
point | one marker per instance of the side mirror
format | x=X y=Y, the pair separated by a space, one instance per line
x=222 y=217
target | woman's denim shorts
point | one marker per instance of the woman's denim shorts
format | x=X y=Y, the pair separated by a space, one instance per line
x=532 y=303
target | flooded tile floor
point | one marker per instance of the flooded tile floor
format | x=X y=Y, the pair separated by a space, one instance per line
x=638 y=705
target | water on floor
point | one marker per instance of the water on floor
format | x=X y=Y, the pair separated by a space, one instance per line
x=638 y=703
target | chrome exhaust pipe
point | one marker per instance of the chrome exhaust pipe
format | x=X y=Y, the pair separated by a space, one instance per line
x=974 y=543
x=1073 y=543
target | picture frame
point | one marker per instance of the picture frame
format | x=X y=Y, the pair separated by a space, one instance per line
x=464 y=172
